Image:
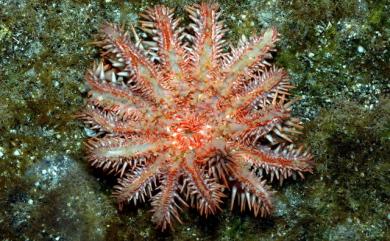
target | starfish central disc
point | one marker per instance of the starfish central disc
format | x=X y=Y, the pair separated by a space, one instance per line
x=189 y=133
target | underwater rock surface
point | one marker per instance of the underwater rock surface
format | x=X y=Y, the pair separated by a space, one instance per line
x=336 y=53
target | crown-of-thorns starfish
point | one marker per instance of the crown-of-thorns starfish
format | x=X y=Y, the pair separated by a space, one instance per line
x=182 y=122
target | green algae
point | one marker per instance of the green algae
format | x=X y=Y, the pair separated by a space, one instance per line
x=336 y=53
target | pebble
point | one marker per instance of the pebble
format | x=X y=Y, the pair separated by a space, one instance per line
x=361 y=50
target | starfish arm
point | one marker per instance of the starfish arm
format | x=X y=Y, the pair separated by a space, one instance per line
x=142 y=72
x=107 y=122
x=273 y=123
x=108 y=92
x=101 y=89
x=264 y=88
x=203 y=192
x=118 y=154
x=248 y=57
x=163 y=28
x=250 y=190
x=281 y=162
x=137 y=185
x=206 y=52
x=269 y=85
x=164 y=202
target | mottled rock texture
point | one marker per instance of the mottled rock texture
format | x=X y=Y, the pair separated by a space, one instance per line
x=336 y=53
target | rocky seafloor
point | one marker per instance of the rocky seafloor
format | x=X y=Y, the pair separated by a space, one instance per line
x=337 y=54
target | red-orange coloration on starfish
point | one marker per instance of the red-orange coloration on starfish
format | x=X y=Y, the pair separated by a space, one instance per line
x=182 y=122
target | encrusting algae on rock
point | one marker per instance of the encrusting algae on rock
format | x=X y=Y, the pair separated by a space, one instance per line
x=182 y=122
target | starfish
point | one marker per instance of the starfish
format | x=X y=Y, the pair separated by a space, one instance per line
x=182 y=122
